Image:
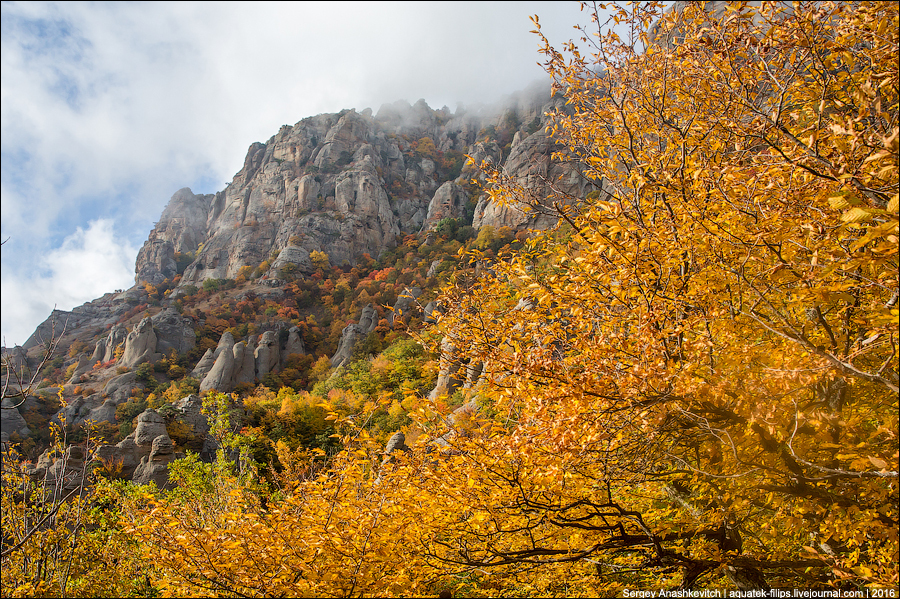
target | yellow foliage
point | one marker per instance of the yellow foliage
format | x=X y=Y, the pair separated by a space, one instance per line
x=691 y=382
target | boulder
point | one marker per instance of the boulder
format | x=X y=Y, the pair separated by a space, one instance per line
x=11 y=421
x=122 y=459
x=68 y=471
x=190 y=412
x=105 y=412
x=118 y=389
x=150 y=424
x=297 y=256
x=83 y=365
x=397 y=442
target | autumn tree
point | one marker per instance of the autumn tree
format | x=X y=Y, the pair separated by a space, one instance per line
x=698 y=366
x=691 y=381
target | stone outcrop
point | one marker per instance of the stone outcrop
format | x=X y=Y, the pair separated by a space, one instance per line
x=150 y=425
x=294 y=343
x=244 y=363
x=140 y=345
x=397 y=442
x=118 y=388
x=349 y=336
x=293 y=255
x=404 y=305
x=448 y=379
x=173 y=331
x=117 y=336
x=11 y=421
x=267 y=354
x=204 y=365
x=368 y=320
x=181 y=228
x=449 y=201
x=351 y=183
x=81 y=366
x=221 y=375
x=155 y=467
x=353 y=333
x=134 y=451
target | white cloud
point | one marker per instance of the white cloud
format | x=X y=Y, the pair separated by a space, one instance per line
x=89 y=263
x=109 y=108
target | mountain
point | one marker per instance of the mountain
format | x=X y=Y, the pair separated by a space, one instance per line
x=349 y=184
x=230 y=285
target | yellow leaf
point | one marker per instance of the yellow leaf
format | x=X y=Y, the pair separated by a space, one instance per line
x=856 y=215
x=878 y=462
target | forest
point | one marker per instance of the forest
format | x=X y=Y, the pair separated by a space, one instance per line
x=689 y=382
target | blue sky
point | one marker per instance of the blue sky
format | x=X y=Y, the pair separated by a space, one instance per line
x=109 y=108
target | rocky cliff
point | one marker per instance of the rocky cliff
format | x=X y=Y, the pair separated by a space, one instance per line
x=351 y=183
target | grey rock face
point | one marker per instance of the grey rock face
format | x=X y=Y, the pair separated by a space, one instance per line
x=397 y=442
x=122 y=458
x=294 y=344
x=149 y=426
x=204 y=365
x=221 y=375
x=345 y=184
x=267 y=354
x=449 y=201
x=247 y=373
x=448 y=379
x=190 y=413
x=155 y=467
x=11 y=421
x=349 y=336
x=368 y=320
x=296 y=256
x=99 y=351
x=116 y=337
x=244 y=364
x=83 y=365
x=140 y=345
x=404 y=304
x=173 y=332
x=118 y=389
x=181 y=228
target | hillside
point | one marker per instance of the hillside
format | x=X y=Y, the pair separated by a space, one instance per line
x=646 y=338
x=329 y=220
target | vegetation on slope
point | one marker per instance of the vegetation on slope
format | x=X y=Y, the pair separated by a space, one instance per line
x=691 y=382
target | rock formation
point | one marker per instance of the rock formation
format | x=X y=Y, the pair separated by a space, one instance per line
x=353 y=333
x=404 y=304
x=351 y=183
x=140 y=345
x=154 y=468
x=267 y=353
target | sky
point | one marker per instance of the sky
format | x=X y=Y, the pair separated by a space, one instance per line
x=110 y=108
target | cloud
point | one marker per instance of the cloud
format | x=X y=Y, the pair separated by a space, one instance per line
x=89 y=263
x=109 y=108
